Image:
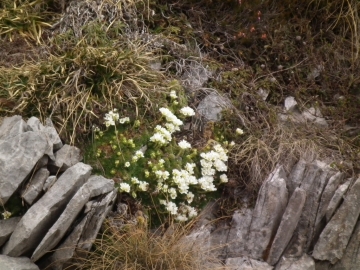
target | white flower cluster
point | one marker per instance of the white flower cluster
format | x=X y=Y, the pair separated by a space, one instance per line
x=138 y=154
x=182 y=178
x=124 y=187
x=185 y=212
x=210 y=163
x=187 y=111
x=184 y=144
x=113 y=116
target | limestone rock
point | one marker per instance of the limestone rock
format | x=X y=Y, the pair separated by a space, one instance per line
x=34 y=187
x=7 y=226
x=245 y=263
x=95 y=186
x=314 y=115
x=195 y=76
x=12 y=126
x=66 y=157
x=305 y=262
x=313 y=183
x=22 y=263
x=335 y=237
x=336 y=199
x=34 y=124
x=290 y=104
x=296 y=176
x=212 y=106
x=18 y=156
x=269 y=208
x=52 y=135
x=97 y=216
x=240 y=225
x=84 y=234
x=326 y=196
x=42 y=215
x=288 y=224
x=49 y=182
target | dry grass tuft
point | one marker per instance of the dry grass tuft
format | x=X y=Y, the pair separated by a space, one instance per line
x=135 y=248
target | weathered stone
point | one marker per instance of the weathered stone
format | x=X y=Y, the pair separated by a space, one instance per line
x=290 y=104
x=66 y=157
x=336 y=199
x=43 y=161
x=66 y=251
x=239 y=231
x=351 y=258
x=34 y=187
x=97 y=218
x=246 y=263
x=314 y=115
x=22 y=263
x=296 y=176
x=34 y=124
x=7 y=226
x=212 y=106
x=195 y=76
x=52 y=135
x=288 y=224
x=269 y=208
x=18 y=156
x=313 y=183
x=49 y=182
x=12 y=126
x=305 y=262
x=219 y=239
x=335 y=237
x=95 y=186
x=41 y=216
x=328 y=193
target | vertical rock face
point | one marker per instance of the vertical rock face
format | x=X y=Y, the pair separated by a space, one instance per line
x=305 y=262
x=269 y=208
x=287 y=226
x=335 y=237
x=18 y=156
x=313 y=182
x=336 y=199
x=39 y=218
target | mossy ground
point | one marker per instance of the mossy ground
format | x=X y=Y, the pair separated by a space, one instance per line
x=75 y=72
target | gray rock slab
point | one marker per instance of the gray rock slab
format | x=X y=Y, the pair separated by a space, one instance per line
x=66 y=250
x=287 y=226
x=305 y=262
x=7 y=226
x=95 y=186
x=35 y=185
x=34 y=124
x=296 y=176
x=313 y=183
x=66 y=157
x=268 y=211
x=12 y=126
x=351 y=258
x=239 y=231
x=43 y=161
x=212 y=106
x=336 y=235
x=93 y=226
x=337 y=199
x=290 y=104
x=42 y=215
x=20 y=263
x=246 y=263
x=219 y=240
x=18 y=156
x=49 y=182
x=52 y=135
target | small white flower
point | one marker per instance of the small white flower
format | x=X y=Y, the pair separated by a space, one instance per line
x=187 y=111
x=143 y=186
x=184 y=144
x=239 y=131
x=124 y=120
x=127 y=164
x=173 y=94
x=223 y=178
x=135 y=180
x=232 y=143
x=124 y=187
x=6 y=214
x=172 y=208
x=189 y=197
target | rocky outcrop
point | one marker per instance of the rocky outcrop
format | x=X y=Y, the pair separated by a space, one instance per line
x=20 y=263
x=57 y=215
x=269 y=208
x=300 y=232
